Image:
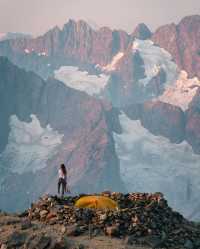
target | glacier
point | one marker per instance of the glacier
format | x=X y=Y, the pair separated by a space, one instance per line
x=155 y=58
x=150 y=163
x=29 y=145
x=80 y=80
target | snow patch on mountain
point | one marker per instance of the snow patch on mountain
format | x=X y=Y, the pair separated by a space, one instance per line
x=155 y=59
x=112 y=66
x=30 y=145
x=81 y=80
x=182 y=92
x=150 y=163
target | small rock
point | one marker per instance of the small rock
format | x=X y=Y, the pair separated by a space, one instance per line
x=130 y=240
x=39 y=242
x=153 y=241
x=112 y=230
x=3 y=246
x=96 y=232
x=73 y=230
x=16 y=239
x=103 y=217
x=26 y=224
x=23 y=214
x=50 y=216
x=43 y=213
x=63 y=229
x=80 y=246
x=11 y=221
x=53 y=221
x=188 y=244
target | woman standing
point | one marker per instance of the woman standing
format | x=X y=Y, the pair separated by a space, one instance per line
x=62 y=179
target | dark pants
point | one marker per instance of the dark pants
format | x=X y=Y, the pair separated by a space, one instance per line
x=62 y=184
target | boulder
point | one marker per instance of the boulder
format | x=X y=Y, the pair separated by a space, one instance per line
x=26 y=224
x=43 y=213
x=112 y=231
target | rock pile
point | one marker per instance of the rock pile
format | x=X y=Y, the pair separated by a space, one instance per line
x=141 y=219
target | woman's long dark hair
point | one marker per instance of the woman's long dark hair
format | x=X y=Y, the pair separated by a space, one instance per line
x=63 y=168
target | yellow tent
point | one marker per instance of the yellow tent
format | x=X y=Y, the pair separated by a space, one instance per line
x=98 y=202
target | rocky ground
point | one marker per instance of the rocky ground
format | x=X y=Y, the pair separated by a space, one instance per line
x=142 y=221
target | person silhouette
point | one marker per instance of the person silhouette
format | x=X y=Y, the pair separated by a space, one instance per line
x=62 y=180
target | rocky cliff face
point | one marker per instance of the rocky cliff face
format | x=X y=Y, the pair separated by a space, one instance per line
x=45 y=123
x=164 y=119
x=193 y=121
x=77 y=43
x=169 y=121
x=182 y=41
x=160 y=119
x=193 y=129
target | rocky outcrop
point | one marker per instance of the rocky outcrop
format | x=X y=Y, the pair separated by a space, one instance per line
x=182 y=42
x=141 y=219
x=87 y=145
x=142 y=32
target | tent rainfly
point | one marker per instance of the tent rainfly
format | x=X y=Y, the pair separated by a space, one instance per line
x=97 y=202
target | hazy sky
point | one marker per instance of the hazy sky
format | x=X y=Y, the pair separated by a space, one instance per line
x=37 y=16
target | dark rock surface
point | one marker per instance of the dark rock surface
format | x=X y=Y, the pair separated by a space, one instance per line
x=160 y=119
x=193 y=129
x=164 y=119
x=142 y=32
x=182 y=41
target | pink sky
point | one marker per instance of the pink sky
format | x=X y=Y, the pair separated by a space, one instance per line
x=37 y=16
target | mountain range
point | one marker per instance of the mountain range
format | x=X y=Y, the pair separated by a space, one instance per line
x=121 y=110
